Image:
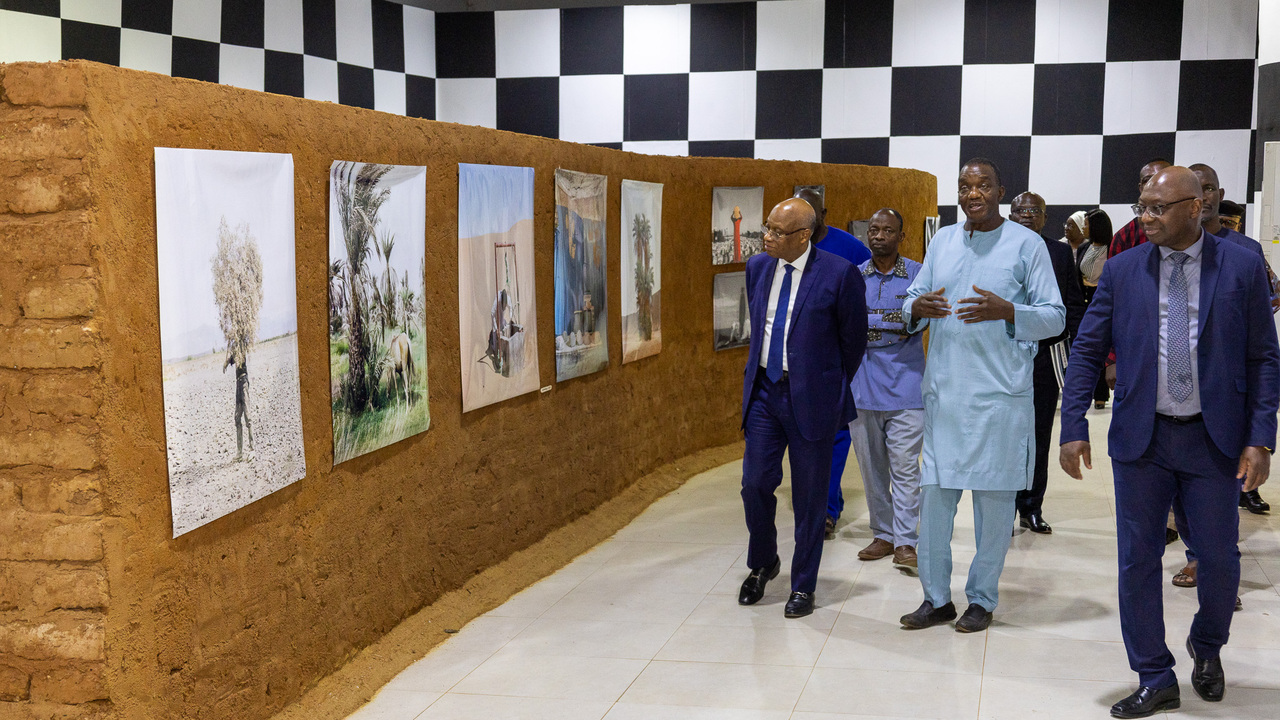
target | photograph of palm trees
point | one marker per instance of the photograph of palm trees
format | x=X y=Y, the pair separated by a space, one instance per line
x=377 y=313
x=737 y=218
x=228 y=329
x=641 y=269
x=497 y=303
x=582 y=308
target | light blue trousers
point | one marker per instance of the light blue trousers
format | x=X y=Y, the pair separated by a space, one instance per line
x=993 y=516
x=887 y=445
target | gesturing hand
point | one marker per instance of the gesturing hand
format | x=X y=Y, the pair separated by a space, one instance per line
x=987 y=306
x=931 y=305
x=1255 y=466
x=1070 y=455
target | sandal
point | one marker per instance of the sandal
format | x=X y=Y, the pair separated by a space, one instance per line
x=1186 y=578
x=1100 y=405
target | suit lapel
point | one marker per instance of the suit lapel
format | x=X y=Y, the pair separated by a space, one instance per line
x=1152 y=305
x=806 y=282
x=1209 y=266
x=760 y=298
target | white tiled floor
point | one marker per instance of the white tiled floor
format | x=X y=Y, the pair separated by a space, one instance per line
x=646 y=627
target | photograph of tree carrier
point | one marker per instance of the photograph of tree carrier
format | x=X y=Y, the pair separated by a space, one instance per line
x=228 y=329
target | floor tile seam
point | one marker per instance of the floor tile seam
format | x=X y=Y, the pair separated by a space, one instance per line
x=947 y=672
x=428 y=707
x=982 y=674
x=631 y=684
x=808 y=678
x=467 y=674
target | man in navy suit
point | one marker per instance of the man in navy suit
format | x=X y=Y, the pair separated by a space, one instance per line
x=1196 y=394
x=808 y=333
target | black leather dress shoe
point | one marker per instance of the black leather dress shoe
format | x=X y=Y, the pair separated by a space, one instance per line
x=800 y=604
x=975 y=619
x=1206 y=676
x=1170 y=536
x=927 y=616
x=753 y=587
x=1036 y=524
x=1254 y=503
x=1147 y=702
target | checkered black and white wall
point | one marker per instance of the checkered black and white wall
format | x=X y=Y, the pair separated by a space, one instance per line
x=367 y=53
x=1069 y=96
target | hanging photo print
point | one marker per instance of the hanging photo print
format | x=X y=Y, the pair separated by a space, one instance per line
x=581 y=271
x=641 y=269
x=497 y=305
x=377 y=311
x=737 y=221
x=228 y=329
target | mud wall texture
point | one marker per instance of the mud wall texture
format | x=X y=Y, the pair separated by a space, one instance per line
x=53 y=579
x=238 y=618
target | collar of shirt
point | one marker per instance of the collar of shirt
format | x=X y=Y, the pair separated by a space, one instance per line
x=799 y=263
x=1194 y=251
x=899 y=269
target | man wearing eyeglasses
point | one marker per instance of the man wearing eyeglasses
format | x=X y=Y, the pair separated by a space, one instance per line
x=1196 y=309
x=808 y=332
x=1028 y=210
x=977 y=388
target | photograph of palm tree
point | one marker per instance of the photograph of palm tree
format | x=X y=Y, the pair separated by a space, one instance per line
x=377 y=311
x=641 y=269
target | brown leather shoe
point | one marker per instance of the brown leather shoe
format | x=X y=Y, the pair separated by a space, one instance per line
x=876 y=550
x=904 y=556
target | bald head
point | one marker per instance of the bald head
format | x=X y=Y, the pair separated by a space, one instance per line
x=1174 y=192
x=789 y=227
x=1180 y=180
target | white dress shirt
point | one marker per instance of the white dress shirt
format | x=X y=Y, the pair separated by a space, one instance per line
x=774 y=292
x=1165 y=404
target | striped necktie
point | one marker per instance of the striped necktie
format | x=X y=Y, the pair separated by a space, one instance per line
x=1178 y=342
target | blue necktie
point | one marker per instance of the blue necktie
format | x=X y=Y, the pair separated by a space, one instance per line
x=778 y=336
x=1178 y=370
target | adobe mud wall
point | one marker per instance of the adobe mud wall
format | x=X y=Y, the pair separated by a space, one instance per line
x=238 y=618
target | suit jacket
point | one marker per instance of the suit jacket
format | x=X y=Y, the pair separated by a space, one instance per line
x=1237 y=357
x=824 y=348
x=1068 y=277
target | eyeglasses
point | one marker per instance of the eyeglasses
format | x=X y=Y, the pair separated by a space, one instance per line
x=778 y=233
x=1156 y=211
x=1028 y=212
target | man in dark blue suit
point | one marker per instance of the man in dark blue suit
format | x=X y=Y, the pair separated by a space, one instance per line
x=1196 y=394
x=808 y=333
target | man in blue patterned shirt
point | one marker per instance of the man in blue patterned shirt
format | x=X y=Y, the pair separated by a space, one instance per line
x=889 y=429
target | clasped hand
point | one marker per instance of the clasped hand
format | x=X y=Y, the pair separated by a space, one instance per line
x=986 y=306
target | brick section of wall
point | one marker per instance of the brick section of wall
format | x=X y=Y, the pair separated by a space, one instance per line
x=53 y=584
